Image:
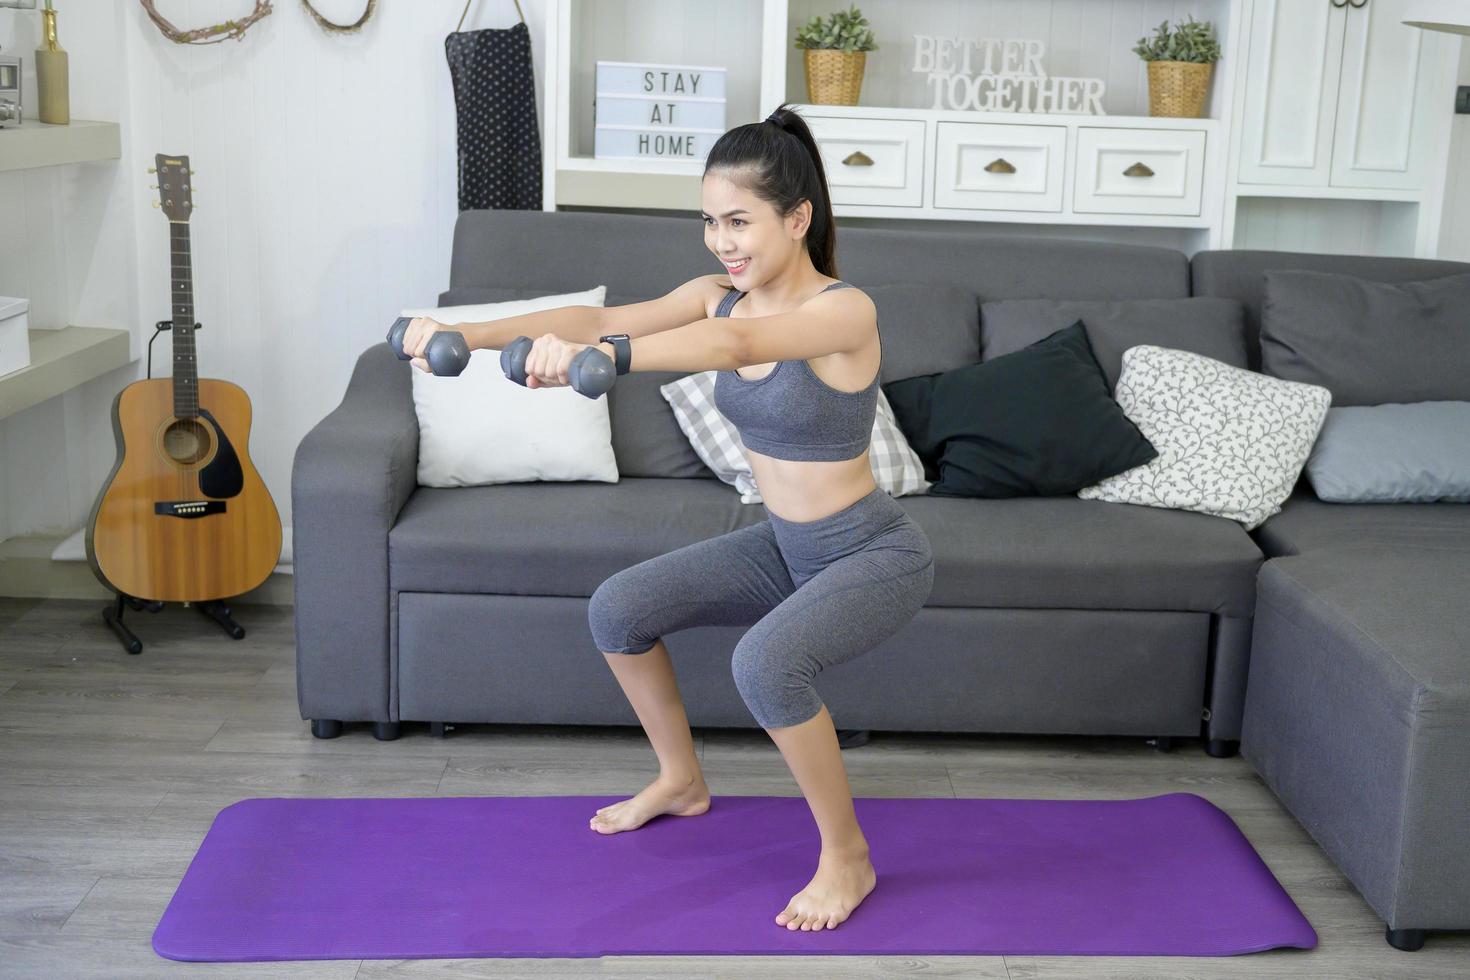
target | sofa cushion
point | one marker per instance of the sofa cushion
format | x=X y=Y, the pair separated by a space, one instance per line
x=1400 y=610
x=1069 y=553
x=1241 y=274
x=1369 y=343
x=551 y=538
x=1040 y=552
x=649 y=255
x=1205 y=325
x=1306 y=524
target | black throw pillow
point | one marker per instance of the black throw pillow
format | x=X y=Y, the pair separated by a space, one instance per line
x=1037 y=422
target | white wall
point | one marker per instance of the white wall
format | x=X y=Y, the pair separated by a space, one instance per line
x=1454 y=229
x=327 y=190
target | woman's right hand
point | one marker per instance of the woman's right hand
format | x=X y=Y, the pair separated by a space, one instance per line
x=416 y=339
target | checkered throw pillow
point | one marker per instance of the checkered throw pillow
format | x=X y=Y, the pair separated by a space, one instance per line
x=896 y=467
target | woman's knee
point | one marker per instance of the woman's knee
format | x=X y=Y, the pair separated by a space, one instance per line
x=778 y=690
x=613 y=617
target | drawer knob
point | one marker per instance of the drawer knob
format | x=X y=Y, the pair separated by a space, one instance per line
x=857 y=158
x=1139 y=169
x=1000 y=165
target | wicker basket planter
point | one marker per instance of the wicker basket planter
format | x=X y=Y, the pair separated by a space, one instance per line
x=1178 y=88
x=833 y=76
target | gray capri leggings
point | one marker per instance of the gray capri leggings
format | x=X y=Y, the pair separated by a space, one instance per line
x=814 y=594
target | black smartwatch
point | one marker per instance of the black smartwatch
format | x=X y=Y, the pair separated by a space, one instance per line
x=623 y=346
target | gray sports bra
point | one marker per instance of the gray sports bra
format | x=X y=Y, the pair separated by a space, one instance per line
x=793 y=414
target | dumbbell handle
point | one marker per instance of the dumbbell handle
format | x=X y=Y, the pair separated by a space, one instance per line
x=447 y=352
x=592 y=372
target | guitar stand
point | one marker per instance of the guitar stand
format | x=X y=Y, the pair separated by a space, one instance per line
x=213 y=608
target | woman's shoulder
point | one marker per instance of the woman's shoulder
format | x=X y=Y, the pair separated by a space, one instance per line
x=842 y=291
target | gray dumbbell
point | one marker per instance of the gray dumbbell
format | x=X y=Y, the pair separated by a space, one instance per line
x=592 y=372
x=447 y=352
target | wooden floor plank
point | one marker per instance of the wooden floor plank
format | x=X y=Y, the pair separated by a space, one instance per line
x=113 y=767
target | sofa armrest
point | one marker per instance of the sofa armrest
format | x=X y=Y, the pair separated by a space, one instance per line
x=351 y=475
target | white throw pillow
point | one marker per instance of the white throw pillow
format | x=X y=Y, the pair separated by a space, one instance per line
x=896 y=467
x=1231 y=442
x=481 y=427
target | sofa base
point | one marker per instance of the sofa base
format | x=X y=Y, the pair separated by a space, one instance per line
x=512 y=659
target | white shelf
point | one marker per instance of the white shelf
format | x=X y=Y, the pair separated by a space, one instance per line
x=1327 y=193
x=61 y=360
x=38 y=144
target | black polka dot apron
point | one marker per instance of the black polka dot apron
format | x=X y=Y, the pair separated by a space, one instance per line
x=495 y=111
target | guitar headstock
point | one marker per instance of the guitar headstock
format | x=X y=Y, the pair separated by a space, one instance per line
x=175 y=191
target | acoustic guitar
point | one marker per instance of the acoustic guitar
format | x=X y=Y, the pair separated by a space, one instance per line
x=183 y=516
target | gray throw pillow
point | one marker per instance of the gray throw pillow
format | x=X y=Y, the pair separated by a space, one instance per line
x=1369 y=343
x=1416 y=453
x=1210 y=326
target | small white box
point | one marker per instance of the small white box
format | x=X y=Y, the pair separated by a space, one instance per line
x=610 y=109
x=637 y=143
x=15 y=342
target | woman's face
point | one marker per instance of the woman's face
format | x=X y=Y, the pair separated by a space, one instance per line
x=746 y=233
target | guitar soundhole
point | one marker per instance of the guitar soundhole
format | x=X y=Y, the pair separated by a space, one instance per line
x=186 y=441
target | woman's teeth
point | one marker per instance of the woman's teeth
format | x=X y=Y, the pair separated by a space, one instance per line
x=737 y=266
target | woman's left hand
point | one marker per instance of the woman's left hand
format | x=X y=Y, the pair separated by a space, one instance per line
x=549 y=363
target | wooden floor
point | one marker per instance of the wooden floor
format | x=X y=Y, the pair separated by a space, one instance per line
x=112 y=768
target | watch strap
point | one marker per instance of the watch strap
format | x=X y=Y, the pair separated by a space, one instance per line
x=623 y=347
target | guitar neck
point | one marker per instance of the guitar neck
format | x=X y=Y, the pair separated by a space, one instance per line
x=186 y=372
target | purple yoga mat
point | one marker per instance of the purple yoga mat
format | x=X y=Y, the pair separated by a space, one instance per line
x=409 y=878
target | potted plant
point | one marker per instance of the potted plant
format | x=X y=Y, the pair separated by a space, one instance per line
x=1180 y=64
x=836 y=51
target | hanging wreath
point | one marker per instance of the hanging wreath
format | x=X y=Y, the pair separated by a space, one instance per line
x=327 y=25
x=207 y=35
x=237 y=28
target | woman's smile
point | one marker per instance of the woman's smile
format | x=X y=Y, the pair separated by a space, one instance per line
x=736 y=266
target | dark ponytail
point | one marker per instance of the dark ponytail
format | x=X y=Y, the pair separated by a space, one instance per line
x=777 y=159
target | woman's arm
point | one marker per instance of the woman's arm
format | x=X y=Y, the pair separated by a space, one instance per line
x=824 y=325
x=579 y=324
x=584 y=324
x=710 y=344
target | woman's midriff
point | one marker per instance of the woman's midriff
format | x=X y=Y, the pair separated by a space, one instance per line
x=809 y=490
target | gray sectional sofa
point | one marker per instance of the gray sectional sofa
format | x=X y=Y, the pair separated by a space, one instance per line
x=1048 y=614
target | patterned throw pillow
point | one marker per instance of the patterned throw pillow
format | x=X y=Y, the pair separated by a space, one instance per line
x=1231 y=442
x=896 y=467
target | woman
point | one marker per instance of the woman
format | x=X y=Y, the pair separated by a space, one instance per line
x=836 y=568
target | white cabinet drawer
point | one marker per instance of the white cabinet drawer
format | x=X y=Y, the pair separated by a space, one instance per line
x=871 y=161
x=999 y=166
x=1139 y=171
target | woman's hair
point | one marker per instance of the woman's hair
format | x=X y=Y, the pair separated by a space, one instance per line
x=778 y=160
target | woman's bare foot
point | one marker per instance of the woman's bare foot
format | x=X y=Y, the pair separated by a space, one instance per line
x=661 y=796
x=842 y=881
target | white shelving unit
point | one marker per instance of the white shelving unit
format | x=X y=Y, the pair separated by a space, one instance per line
x=65 y=357
x=1344 y=137
x=1327 y=128
x=61 y=360
x=38 y=144
x=923 y=163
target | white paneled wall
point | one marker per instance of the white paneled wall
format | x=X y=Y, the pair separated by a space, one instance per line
x=327 y=190
x=1454 y=231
